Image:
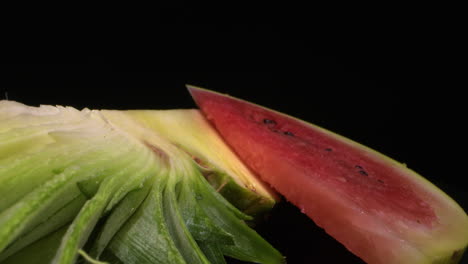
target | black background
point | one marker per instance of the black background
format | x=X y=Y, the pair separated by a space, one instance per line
x=400 y=96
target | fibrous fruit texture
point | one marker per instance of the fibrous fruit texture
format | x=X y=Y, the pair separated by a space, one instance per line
x=94 y=186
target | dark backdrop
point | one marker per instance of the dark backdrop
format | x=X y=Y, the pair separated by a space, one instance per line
x=402 y=98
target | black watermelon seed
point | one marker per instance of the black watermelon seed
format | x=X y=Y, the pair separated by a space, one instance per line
x=328 y=149
x=379 y=180
x=358 y=167
x=288 y=133
x=269 y=121
x=363 y=172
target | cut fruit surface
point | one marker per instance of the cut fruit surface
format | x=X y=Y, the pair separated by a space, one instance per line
x=92 y=186
x=377 y=207
x=191 y=132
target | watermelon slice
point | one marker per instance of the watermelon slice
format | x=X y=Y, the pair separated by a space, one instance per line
x=376 y=207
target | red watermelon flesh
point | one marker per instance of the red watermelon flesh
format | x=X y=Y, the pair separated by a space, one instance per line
x=380 y=210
